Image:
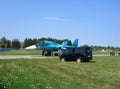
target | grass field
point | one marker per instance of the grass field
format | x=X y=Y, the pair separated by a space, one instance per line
x=101 y=73
x=21 y=52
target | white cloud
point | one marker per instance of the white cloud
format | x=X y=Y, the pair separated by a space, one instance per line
x=54 y=18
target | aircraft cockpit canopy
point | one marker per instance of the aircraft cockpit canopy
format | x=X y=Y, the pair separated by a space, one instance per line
x=40 y=43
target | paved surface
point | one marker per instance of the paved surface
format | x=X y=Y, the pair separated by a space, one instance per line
x=34 y=56
x=22 y=56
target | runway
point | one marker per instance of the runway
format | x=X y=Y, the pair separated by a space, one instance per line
x=36 y=56
x=24 y=56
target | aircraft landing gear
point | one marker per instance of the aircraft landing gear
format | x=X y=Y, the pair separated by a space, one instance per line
x=43 y=53
x=46 y=53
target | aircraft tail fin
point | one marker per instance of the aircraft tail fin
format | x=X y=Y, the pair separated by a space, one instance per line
x=75 y=43
x=65 y=43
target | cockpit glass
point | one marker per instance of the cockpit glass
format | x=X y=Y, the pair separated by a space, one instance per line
x=40 y=43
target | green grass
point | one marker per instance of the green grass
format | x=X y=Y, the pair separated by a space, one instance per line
x=101 y=52
x=101 y=73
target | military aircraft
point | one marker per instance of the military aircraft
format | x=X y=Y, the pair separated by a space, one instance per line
x=48 y=46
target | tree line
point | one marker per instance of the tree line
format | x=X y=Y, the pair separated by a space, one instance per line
x=16 y=44
x=99 y=48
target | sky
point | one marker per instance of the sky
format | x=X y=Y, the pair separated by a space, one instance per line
x=94 y=22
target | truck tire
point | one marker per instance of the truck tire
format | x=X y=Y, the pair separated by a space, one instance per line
x=62 y=59
x=79 y=60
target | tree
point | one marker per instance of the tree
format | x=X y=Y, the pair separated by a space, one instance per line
x=34 y=41
x=3 y=42
x=9 y=43
x=85 y=45
x=16 y=44
x=25 y=43
x=29 y=42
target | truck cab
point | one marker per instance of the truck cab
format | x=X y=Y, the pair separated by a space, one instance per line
x=79 y=54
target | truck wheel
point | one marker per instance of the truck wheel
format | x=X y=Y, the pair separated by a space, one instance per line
x=78 y=60
x=63 y=59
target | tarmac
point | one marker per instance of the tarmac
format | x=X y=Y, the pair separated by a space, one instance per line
x=24 y=56
x=35 y=56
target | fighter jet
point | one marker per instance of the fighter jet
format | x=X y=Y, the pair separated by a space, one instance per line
x=49 y=46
